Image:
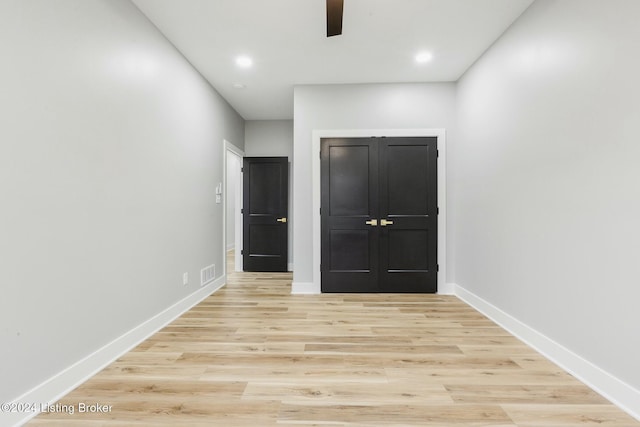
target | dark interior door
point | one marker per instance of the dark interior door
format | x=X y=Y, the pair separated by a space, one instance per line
x=409 y=215
x=264 y=213
x=379 y=214
x=349 y=261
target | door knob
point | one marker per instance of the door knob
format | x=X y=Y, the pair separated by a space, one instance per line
x=384 y=222
x=281 y=219
x=372 y=222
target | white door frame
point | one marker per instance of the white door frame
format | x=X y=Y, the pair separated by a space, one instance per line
x=229 y=147
x=317 y=135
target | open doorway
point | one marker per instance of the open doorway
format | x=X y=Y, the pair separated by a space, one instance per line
x=233 y=203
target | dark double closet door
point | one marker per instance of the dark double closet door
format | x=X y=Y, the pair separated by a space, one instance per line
x=379 y=214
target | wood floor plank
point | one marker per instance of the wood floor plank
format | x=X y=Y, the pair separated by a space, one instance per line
x=252 y=354
x=504 y=394
x=152 y=387
x=381 y=348
x=344 y=374
x=569 y=415
x=480 y=376
x=331 y=394
x=384 y=414
x=487 y=350
x=256 y=346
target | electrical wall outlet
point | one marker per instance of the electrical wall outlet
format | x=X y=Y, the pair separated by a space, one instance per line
x=185 y=279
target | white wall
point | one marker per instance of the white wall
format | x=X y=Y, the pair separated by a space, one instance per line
x=545 y=183
x=267 y=138
x=367 y=106
x=110 y=151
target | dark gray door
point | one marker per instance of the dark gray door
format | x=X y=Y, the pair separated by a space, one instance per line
x=349 y=238
x=379 y=214
x=264 y=213
x=409 y=215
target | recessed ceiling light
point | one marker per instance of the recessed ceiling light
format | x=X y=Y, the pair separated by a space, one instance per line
x=239 y=86
x=244 y=61
x=423 y=57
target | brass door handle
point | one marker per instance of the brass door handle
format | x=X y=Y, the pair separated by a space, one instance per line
x=281 y=219
x=384 y=222
x=372 y=222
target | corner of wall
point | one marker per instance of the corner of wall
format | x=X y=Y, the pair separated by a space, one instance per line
x=618 y=392
x=304 y=288
x=446 y=289
x=62 y=383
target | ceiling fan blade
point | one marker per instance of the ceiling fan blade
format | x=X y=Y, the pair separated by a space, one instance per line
x=334 y=17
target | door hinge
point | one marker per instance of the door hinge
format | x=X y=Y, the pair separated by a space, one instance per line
x=241 y=252
x=320 y=211
x=241 y=211
x=437 y=211
x=437 y=153
x=241 y=169
x=437 y=267
x=320 y=154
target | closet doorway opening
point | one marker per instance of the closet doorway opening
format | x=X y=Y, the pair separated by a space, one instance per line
x=233 y=205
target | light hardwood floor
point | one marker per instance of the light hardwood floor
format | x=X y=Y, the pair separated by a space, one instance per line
x=252 y=354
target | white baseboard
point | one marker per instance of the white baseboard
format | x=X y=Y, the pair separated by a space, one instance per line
x=446 y=289
x=62 y=383
x=304 y=288
x=619 y=393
